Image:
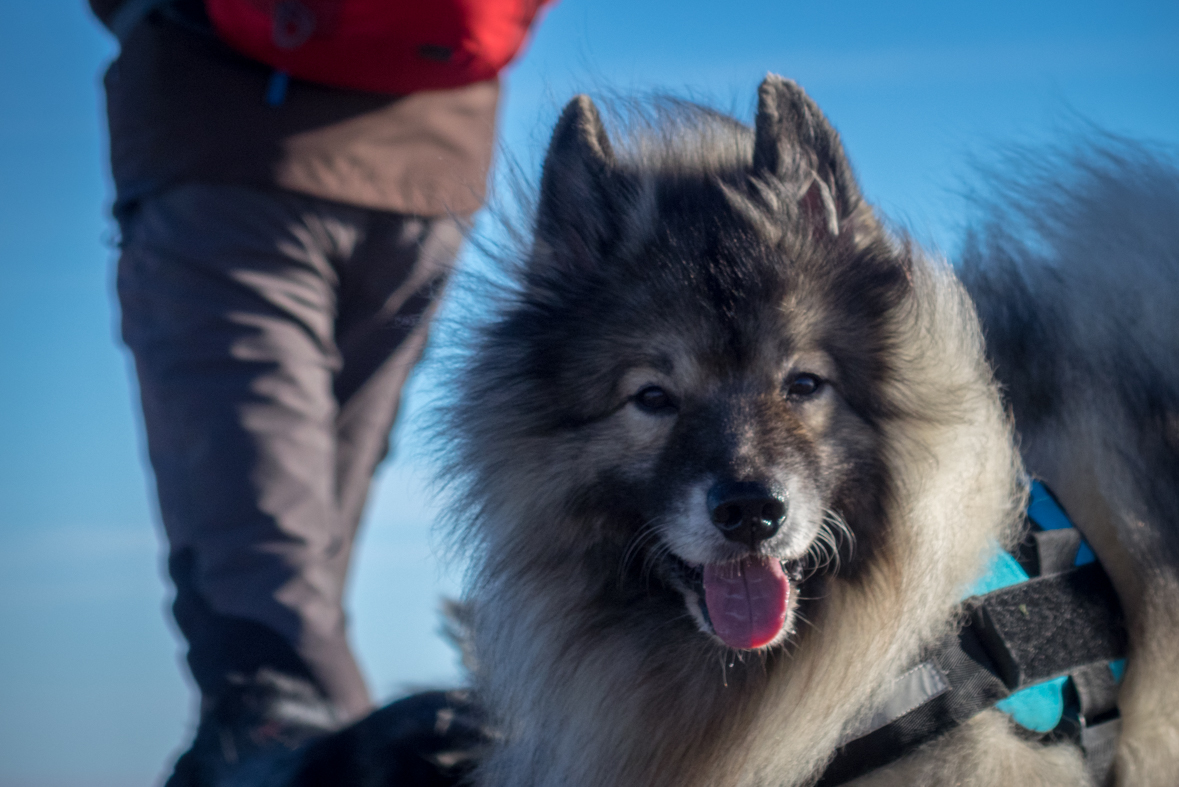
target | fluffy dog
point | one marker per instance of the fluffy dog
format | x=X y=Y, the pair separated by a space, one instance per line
x=729 y=455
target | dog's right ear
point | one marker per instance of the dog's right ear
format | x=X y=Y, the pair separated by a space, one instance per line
x=576 y=217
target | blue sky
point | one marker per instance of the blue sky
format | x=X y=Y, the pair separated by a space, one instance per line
x=91 y=690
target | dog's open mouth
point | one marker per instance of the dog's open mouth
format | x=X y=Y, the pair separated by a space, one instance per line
x=745 y=602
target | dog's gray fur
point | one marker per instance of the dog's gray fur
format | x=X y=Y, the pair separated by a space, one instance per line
x=1076 y=270
x=718 y=262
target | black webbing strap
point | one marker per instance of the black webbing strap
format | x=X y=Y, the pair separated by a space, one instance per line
x=1064 y=623
x=1091 y=718
x=974 y=686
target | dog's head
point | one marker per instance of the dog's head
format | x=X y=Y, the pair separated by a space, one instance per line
x=689 y=380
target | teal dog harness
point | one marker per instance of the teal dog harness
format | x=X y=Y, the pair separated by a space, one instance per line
x=1044 y=642
x=1039 y=708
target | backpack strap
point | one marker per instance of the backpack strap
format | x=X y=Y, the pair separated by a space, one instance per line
x=129 y=15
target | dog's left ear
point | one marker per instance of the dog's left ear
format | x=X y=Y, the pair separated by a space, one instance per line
x=576 y=216
x=796 y=145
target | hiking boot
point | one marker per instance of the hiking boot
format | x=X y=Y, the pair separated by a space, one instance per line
x=255 y=733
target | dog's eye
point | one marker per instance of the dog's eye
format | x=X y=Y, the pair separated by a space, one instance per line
x=804 y=385
x=654 y=399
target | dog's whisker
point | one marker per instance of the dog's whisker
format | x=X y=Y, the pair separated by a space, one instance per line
x=653 y=557
x=827 y=546
x=644 y=534
x=649 y=531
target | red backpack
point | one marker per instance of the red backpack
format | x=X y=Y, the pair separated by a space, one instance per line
x=384 y=46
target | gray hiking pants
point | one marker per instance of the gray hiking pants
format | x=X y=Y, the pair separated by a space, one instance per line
x=272 y=333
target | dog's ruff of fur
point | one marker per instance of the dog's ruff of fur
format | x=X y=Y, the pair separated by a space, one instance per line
x=694 y=233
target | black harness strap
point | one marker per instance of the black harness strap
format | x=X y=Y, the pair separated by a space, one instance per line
x=974 y=687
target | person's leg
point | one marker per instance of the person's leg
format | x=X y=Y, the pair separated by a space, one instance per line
x=229 y=305
x=272 y=334
x=389 y=290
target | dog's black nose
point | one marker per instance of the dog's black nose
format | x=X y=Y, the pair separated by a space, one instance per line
x=745 y=511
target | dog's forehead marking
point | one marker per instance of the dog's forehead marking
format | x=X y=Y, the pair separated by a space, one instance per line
x=670 y=360
x=806 y=318
x=811 y=359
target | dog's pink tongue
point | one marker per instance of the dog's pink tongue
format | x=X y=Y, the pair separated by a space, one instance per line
x=746 y=601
